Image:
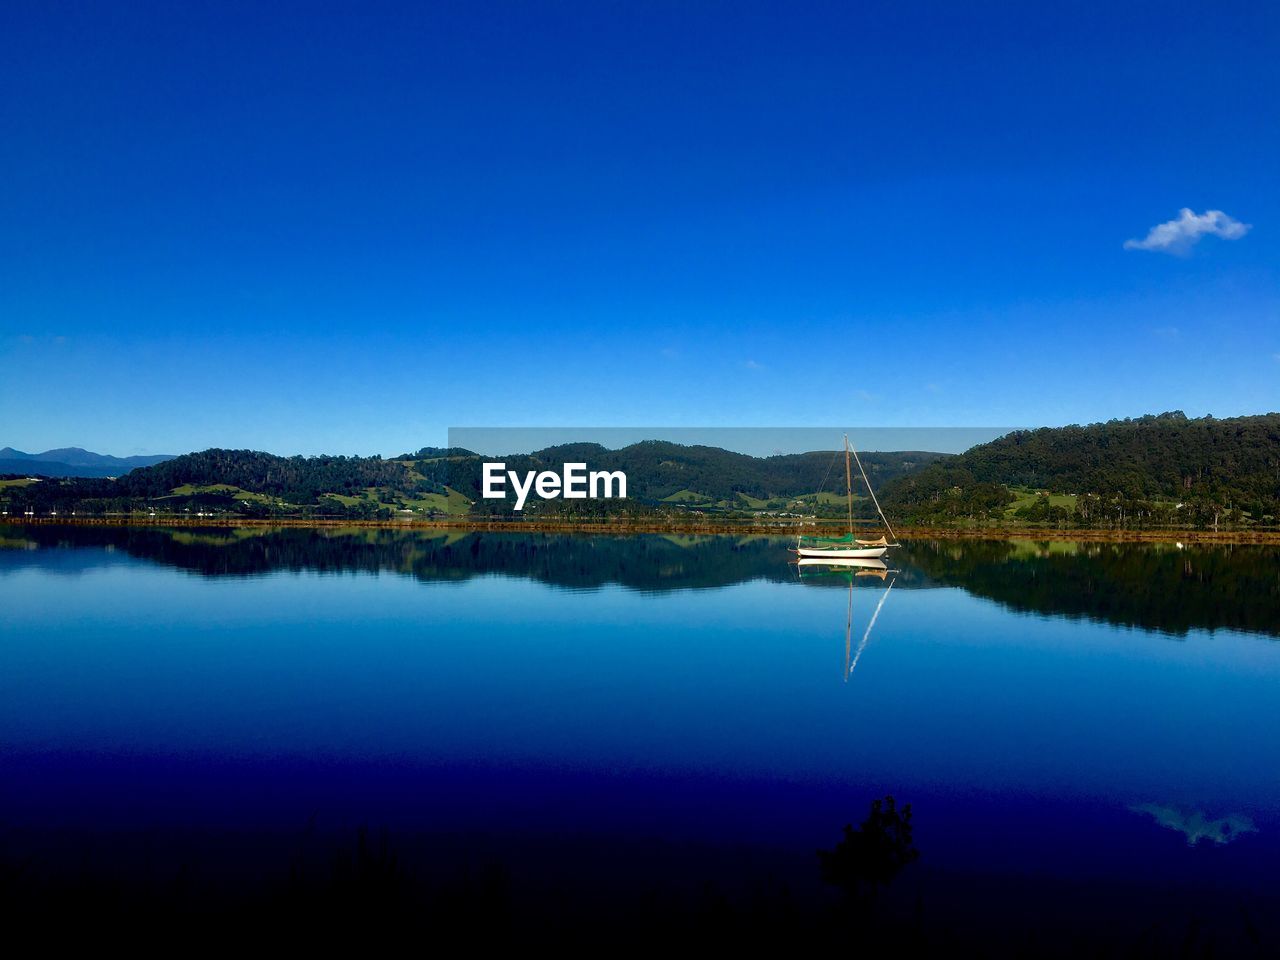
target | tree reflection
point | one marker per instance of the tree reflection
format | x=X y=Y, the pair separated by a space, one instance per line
x=1158 y=586
x=868 y=859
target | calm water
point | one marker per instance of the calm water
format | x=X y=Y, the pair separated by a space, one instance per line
x=1088 y=718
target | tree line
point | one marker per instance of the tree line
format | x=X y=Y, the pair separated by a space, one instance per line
x=1153 y=471
x=1162 y=470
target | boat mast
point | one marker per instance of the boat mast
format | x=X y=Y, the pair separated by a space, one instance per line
x=848 y=482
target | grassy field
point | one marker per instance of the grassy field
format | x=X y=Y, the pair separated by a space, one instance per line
x=744 y=501
x=687 y=496
x=827 y=499
x=222 y=490
x=1027 y=498
x=345 y=501
x=20 y=482
x=451 y=502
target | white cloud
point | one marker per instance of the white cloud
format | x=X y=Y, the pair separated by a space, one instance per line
x=1180 y=235
x=753 y=365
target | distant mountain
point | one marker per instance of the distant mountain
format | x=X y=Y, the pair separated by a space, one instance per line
x=72 y=462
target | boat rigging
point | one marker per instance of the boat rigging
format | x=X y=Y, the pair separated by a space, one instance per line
x=849 y=547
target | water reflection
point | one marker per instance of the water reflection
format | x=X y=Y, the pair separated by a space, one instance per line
x=1195 y=825
x=1159 y=586
x=869 y=859
x=847 y=570
x=1162 y=587
x=662 y=735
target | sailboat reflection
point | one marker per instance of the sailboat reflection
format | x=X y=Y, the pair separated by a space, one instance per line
x=850 y=568
x=859 y=568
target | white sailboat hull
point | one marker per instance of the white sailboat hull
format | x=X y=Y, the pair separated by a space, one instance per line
x=837 y=563
x=842 y=553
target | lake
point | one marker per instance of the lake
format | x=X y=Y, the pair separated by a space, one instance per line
x=544 y=728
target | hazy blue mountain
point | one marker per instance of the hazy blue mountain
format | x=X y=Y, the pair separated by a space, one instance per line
x=73 y=462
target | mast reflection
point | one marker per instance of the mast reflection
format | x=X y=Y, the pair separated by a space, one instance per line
x=849 y=569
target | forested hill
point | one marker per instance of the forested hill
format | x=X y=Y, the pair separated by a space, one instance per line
x=296 y=480
x=661 y=476
x=1164 y=470
x=1153 y=469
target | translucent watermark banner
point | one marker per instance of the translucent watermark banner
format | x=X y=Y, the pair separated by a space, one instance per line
x=753 y=441
x=724 y=471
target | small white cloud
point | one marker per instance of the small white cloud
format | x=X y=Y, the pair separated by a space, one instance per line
x=1180 y=235
x=752 y=365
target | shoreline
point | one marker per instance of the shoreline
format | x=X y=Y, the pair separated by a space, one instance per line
x=777 y=529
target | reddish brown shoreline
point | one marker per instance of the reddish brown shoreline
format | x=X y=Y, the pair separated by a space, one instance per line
x=774 y=528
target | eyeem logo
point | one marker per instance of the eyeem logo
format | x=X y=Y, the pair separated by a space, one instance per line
x=573 y=484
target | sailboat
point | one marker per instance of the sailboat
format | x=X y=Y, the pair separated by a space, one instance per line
x=848 y=547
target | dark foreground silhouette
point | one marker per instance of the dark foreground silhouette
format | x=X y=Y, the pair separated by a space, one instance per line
x=868 y=859
x=872 y=893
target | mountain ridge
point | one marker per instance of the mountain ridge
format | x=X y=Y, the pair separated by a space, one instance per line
x=74 y=462
x=1156 y=470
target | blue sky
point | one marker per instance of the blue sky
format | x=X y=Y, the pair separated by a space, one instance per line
x=348 y=227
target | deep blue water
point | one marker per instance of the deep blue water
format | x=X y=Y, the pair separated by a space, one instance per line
x=503 y=696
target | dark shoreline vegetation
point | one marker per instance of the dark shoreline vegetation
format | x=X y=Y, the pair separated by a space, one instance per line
x=1153 y=473
x=1166 y=587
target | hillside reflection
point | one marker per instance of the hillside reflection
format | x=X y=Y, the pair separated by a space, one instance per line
x=1159 y=587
